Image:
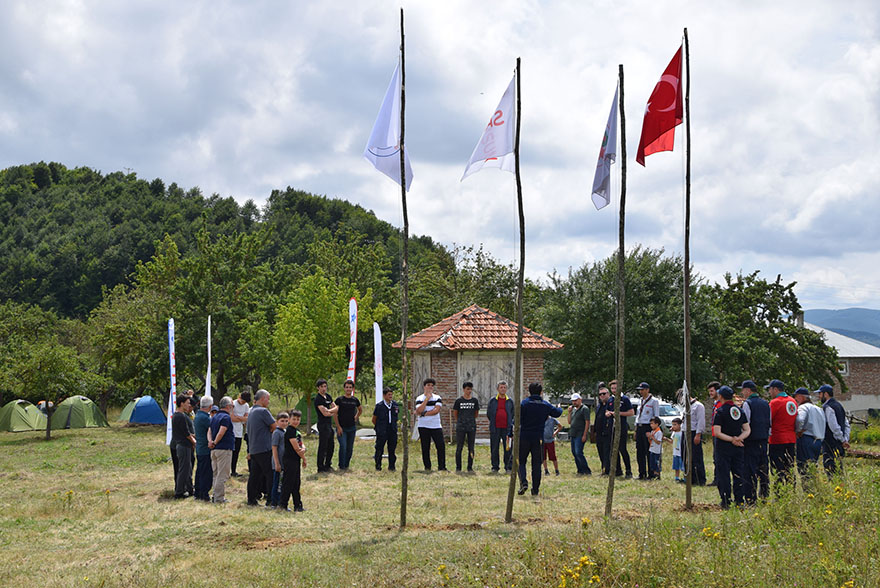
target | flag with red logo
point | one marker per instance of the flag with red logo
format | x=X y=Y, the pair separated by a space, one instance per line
x=663 y=113
x=495 y=148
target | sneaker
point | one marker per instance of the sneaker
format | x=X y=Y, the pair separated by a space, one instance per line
x=299 y=509
x=546 y=472
x=522 y=489
x=220 y=501
x=557 y=472
x=629 y=476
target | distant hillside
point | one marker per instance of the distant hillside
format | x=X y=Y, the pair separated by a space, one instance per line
x=862 y=324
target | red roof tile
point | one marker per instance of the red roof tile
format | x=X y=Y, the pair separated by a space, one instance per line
x=477 y=328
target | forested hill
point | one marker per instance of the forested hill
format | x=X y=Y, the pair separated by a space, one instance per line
x=67 y=233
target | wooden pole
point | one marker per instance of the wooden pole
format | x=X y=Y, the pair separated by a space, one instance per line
x=621 y=259
x=404 y=290
x=687 y=264
x=517 y=382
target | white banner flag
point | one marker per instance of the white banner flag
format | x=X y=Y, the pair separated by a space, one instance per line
x=208 y=374
x=353 y=336
x=172 y=396
x=607 y=154
x=495 y=148
x=383 y=148
x=377 y=355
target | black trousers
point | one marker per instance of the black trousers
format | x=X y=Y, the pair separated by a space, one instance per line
x=757 y=476
x=642 y=445
x=290 y=482
x=235 y=453
x=174 y=463
x=435 y=435
x=388 y=438
x=259 y=476
x=832 y=455
x=460 y=437
x=698 y=471
x=326 y=434
x=533 y=447
x=603 y=448
x=183 y=482
x=729 y=461
x=204 y=477
x=497 y=439
x=782 y=457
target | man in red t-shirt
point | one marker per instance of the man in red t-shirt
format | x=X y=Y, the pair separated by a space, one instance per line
x=783 y=414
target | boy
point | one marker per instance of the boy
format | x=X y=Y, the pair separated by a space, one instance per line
x=655 y=448
x=551 y=429
x=277 y=456
x=294 y=458
x=464 y=413
x=675 y=439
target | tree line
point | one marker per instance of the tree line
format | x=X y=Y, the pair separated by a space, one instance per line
x=92 y=266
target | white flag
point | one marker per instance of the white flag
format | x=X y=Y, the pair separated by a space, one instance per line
x=377 y=355
x=172 y=396
x=208 y=374
x=383 y=148
x=353 y=336
x=495 y=148
x=607 y=154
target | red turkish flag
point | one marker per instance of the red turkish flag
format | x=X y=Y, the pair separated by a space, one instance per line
x=663 y=113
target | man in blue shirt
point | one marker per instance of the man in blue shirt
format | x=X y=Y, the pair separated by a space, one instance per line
x=222 y=442
x=201 y=422
x=534 y=411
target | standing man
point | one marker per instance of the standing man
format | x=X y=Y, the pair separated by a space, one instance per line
x=757 y=472
x=694 y=442
x=500 y=415
x=184 y=441
x=428 y=407
x=712 y=390
x=578 y=428
x=346 y=419
x=648 y=409
x=604 y=428
x=836 y=440
x=326 y=409
x=731 y=429
x=783 y=413
x=261 y=424
x=534 y=411
x=626 y=410
x=385 y=417
x=239 y=416
x=204 y=474
x=464 y=413
x=221 y=440
x=809 y=427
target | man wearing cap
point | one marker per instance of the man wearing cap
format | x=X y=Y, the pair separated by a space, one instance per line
x=836 y=440
x=809 y=426
x=648 y=409
x=500 y=415
x=626 y=410
x=578 y=428
x=783 y=414
x=731 y=429
x=756 y=480
x=534 y=411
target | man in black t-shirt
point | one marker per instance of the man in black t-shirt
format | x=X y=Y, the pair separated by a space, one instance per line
x=346 y=419
x=385 y=421
x=184 y=442
x=326 y=410
x=464 y=413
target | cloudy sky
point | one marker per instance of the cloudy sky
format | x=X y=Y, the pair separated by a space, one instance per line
x=239 y=98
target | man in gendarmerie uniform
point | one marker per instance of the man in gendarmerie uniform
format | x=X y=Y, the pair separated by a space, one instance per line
x=731 y=430
x=783 y=414
x=534 y=411
x=836 y=430
x=648 y=409
x=757 y=465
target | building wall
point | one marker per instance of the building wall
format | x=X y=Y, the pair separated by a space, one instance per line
x=863 y=381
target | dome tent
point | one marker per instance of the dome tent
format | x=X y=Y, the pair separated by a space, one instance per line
x=21 y=415
x=77 y=412
x=144 y=410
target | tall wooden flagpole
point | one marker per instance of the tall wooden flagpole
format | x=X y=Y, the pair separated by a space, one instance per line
x=404 y=295
x=687 y=265
x=517 y=382
x=621 y=274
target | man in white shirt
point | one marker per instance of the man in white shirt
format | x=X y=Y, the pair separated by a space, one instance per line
x=809 y=426
x=648 y=409
x=695 y=444
x=428 y=407
x=239 y=415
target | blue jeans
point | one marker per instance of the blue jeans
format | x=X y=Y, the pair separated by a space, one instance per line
x=577 y=450
x=276 y=488
x=346 y=444
x=808 y=449
x=654 y=464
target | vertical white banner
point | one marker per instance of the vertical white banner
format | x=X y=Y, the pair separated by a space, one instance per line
x=353 y=330
x=208 y=375
x=377 y=368
x=172 y=396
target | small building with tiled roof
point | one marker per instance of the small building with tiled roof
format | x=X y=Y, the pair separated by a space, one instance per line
x=474 y=345
x=859 y=365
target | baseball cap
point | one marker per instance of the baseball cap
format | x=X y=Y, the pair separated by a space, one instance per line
x=748 y=384
x=825 y=388
x=775 y=384
x=726 y=392
x=575 y=396
x=803 y=391
x=643 y=386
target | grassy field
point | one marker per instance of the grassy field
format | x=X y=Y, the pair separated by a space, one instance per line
x=92 y=508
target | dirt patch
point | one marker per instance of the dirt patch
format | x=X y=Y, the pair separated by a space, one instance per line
x=275 y=542
x=697 y=507
x=627 y=514
x=441 y=527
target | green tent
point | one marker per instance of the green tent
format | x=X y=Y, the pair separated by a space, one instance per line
x=77 y=412
x=21 y=415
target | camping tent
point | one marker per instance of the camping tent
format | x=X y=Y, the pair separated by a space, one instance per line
x=77 y=412
x=21 y=415
x=143 y=409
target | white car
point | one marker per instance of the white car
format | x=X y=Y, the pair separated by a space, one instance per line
x=668 y=411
